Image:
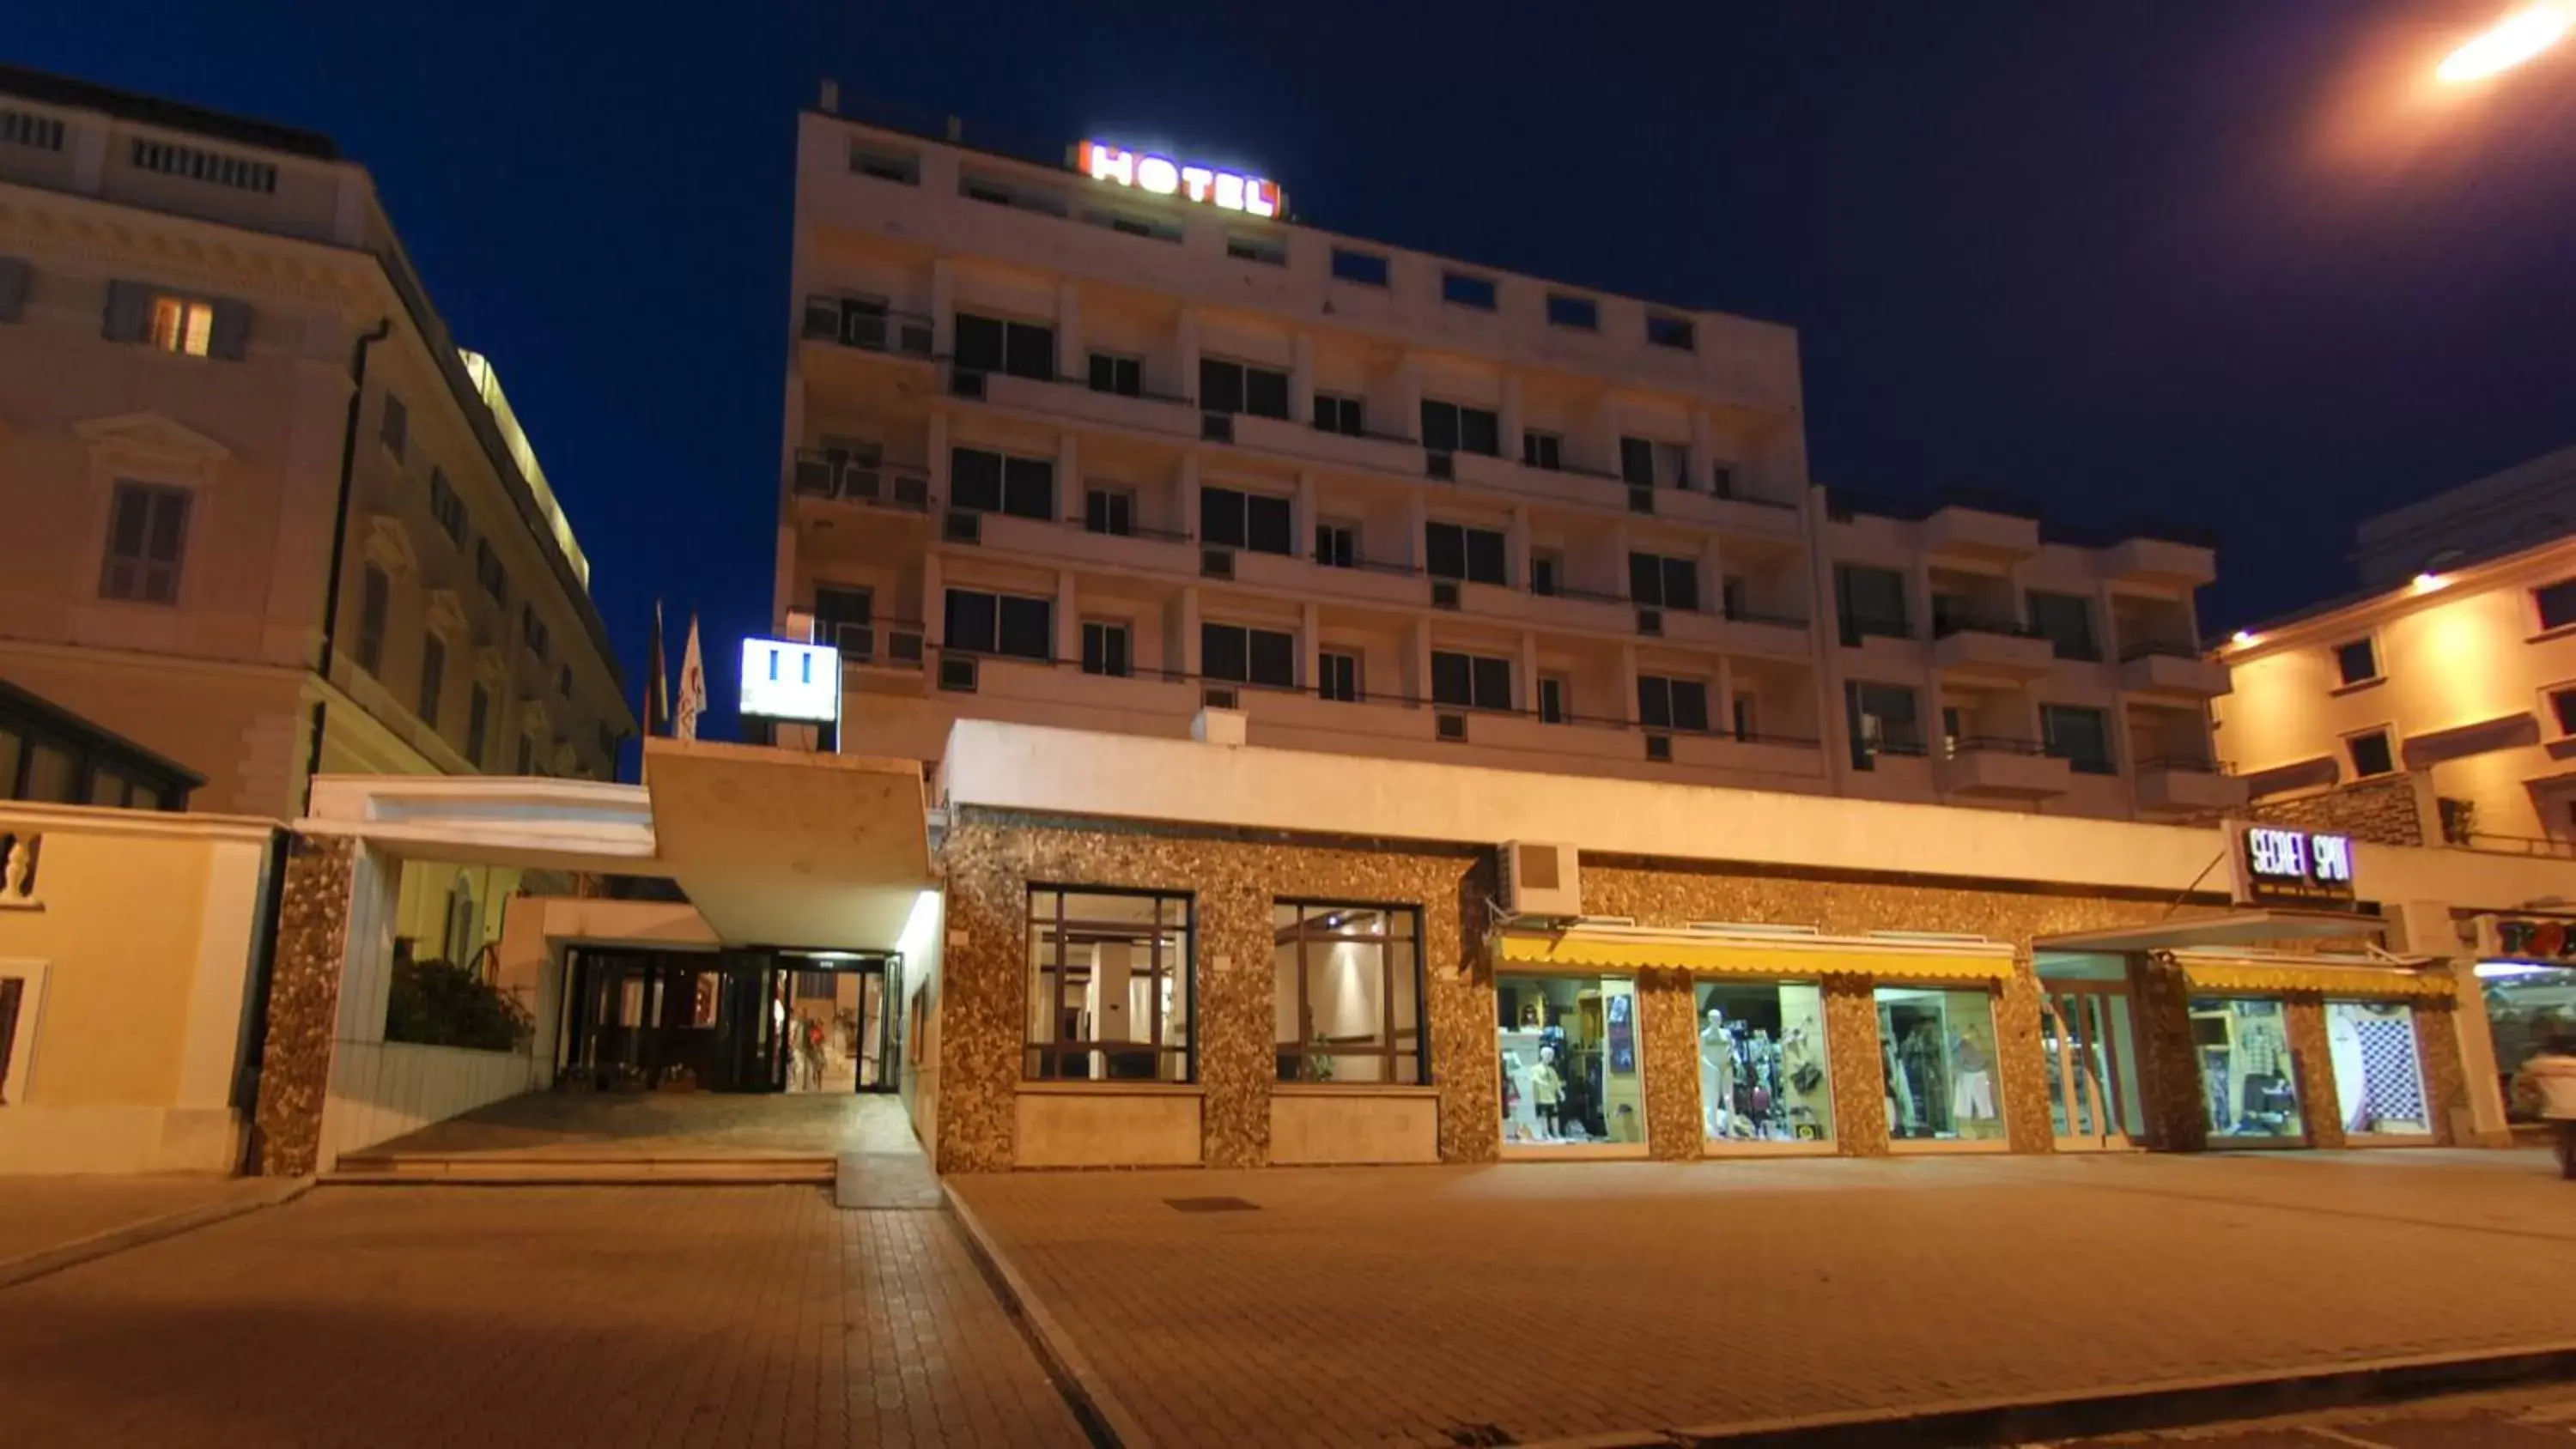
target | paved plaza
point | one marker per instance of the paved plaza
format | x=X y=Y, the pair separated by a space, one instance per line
x=568 y=1125
x=559 y=1317
x=1438 y=1305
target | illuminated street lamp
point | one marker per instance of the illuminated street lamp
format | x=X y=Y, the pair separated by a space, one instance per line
x=2508 y=43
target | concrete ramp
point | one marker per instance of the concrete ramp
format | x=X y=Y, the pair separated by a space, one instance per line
x=665 y=1139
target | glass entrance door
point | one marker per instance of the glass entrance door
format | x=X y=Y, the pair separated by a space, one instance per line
x=2085 y=1035
x=838 y=1029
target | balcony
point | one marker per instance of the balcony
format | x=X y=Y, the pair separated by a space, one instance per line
x=1075 y=400
x=2187 y=785
x=2003 y=768
x=1973 y=533
x=1990 y=651
x=868 y=326
x=2172 y=671
x=831 y=475
x=2160 y=563
x=1368 y=451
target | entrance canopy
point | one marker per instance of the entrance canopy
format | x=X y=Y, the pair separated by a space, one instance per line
x=781 y=848
x=2233 y=928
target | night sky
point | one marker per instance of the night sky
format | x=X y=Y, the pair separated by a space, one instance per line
x=2227 y=262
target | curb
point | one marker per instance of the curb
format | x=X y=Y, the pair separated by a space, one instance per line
x=2175 y=1404
x=1103 y=1417
x=150 y=1230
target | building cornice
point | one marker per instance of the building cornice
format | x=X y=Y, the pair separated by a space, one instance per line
x=2338 y=619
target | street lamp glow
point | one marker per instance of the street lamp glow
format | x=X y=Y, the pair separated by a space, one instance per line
x=2508 y=43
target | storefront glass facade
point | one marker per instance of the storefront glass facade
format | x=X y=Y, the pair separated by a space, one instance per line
x=1111 y=986
x=1937 y=1057
x=2378 y=1070
x=2526 y=1006
x=1572 y=1060
x=1346 y=993
x=2249 y=1087
x=1763 y=1074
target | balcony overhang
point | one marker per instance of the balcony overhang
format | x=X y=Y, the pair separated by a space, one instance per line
x=2175 y=678
x=1972 y=533
x=780 y=848
x=1986 y=657
x=2006 y=774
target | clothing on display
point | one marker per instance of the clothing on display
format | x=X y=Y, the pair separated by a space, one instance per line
x=1938 y=1059
x=1762 y=1063
x=1556 y=1038
x=2379 y=1078
x=2251 y=1089
x=2527 y=1005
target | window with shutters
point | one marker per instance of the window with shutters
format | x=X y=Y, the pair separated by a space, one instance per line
x=394 y=427
x=1337 y=676
x=183 y=325
x=433 y=678
x=445 y=508
x=1106 y=648
x=1672 y=704
x=241 y=173
x=1238 y=654
x=992 y=344
x=1255 y=521
x=1476 y=555
x=1449 y=427
x=375 y=607
x=478 y=724
x=991 y=482
x=147 y=541
x=1010 y=625
x=1471 y=681
x=1659 y=582
x=1241 y=387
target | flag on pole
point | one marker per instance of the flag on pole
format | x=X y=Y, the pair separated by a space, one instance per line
x=693 y=687
x=657 y=682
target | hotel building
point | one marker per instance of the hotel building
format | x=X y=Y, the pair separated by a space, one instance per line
x=1060 y=450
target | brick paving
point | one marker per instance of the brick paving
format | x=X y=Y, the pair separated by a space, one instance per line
x=41 y=1214
x=1408 y=1306
x=569 y=1125
x=542 y=1316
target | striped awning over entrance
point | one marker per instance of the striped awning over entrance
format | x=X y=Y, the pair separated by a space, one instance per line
x=1748 y=953
x=2273 y=975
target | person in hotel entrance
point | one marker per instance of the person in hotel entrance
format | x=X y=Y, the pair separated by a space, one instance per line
x=2550 y=1077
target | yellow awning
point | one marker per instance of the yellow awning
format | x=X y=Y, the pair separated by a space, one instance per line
x=2271 y=978
x=1710 y=954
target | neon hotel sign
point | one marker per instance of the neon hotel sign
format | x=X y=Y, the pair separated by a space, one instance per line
x=1163 y=176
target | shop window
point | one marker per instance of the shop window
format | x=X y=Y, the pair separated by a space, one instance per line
x=1762 y=1070
x=2378 y=1072
x=1111 y=986
x=1939 y=1059
x=1573 y=1070
x=1346 y=993
x=2356 y=662
x=2249 y=1089
x=2528 y=1005
x=2371 y=754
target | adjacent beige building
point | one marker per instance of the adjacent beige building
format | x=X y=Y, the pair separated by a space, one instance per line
x=2454 y=684
x=1060 y=450
x=264 y=516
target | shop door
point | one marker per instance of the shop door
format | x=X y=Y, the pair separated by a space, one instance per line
x=2091 y=1061
x=750 y=1047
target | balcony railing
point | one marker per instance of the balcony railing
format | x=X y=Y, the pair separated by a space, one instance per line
x=1860 y=627
x=828 y=474
x=2184 y=765
x=2158 y=649
x=1750 y=616
x=1133 y=530
x=1993 y=745
x=1948 y=622
x=893 y=643
x=868 y=326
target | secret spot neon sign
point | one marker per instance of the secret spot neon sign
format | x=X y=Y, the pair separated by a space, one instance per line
x=1163 y=176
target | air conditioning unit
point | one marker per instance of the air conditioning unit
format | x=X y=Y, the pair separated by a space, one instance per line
x=963 y=525
x=1641 y=500
x=1216 y=427
x=1659 y=748
x=903 y=646
x=1650 y=622
x=966 y=385
x=912 y=490
x=1452 y=727
x=1443 y=466
x=862 y=483
x=814 y=478
x=1444 y=594
x=957 y=672
x=1541 y=879
x=1216 y=563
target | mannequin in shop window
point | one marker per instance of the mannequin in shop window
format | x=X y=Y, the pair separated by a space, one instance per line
x=1920 y=1061
x=1716 y=1075
x=1972 y=1090
x=1548 y=1089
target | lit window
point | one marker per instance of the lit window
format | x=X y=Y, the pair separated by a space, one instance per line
x=183 y=326
x=1346 y=985
x=1110 y=988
